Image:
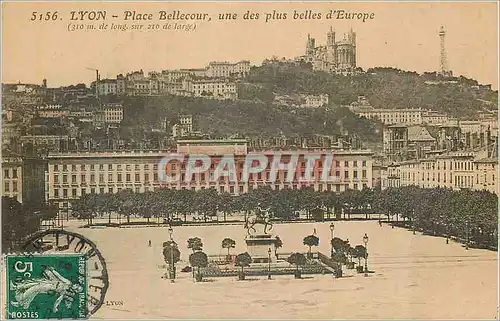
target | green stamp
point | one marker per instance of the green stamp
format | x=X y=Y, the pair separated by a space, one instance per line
x=46 y=286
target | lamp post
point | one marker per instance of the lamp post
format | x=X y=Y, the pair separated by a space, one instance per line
x=413 y=221
x=172 y=273
x=467 y=235
x=332 y=229
x=269 y=266
x=365 y=241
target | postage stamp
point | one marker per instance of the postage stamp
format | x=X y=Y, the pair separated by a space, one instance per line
x=47 y=286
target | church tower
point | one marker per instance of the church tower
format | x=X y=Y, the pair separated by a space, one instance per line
x=331 y=48
x=309 y=45
x=330 y=38
x=352 y=39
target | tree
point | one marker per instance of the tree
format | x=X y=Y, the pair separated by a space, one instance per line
x=205 y=202
x=226 y=203
x=86 y=207
x=360 y=253
x=310 y=241
x=171 y=255
x=299 y=260
x=243 y=260
x=198 y=260
x=195 y=244
x=278 y=243
x=171 y=251
x=228 y=244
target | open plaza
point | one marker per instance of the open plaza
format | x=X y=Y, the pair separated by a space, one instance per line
x=414 y=276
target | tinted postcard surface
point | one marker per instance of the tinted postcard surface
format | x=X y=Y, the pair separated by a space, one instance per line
x=249 y=160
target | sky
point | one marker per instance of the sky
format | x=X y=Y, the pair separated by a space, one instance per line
x=401 y=35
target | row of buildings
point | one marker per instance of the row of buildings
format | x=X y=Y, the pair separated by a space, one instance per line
x=457 y=170
x=63 y=177
x=301 y=100
x=217 y=81
x=67 y=176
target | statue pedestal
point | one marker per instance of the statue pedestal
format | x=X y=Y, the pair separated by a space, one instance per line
x=258 y=247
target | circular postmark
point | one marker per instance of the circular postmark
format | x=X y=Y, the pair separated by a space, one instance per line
x=87 y=273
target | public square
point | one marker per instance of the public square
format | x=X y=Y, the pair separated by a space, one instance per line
x=416 y=276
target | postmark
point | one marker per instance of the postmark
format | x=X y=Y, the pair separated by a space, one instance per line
x=57 y=242
x=46 y=286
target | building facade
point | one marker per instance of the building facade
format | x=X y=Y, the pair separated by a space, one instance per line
x=113 y=113
x=23 y=178
x=72 y=175
x=457 y=170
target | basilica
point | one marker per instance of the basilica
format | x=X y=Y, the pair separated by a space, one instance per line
x=338 y=56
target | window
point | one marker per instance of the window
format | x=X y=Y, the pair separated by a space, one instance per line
x=137 y=167
x=56 y=193
x=92 y=178
x=137 y=189
x=65 y=193
x=241 y=189
x=337 y=163
x=129 y=167
x=56 y=168
x=119 y=166
x=6 y=173
x=137 y=178
x=56 y=179
x=14 y=173
x=101 y=167
x=101 y=178
x=363 y=173
x=73 y=192
x=363 y=164
x=355 y=174
x=101 y=190
x=146 y=177
x=128 y=178
x=355 y=163
x=231 y=189
x=65 y=179
x=83 y=178
x=14 y=186
x=346 y=174
x=355 y=186
x=73 y=178
x=346 y=163
x=92 y=167
x=65 y=168
x=110 y=167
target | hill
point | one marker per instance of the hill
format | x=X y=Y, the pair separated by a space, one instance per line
x=384 y=88
x=248 y=118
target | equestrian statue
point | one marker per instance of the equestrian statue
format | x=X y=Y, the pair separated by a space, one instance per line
x=262 y=216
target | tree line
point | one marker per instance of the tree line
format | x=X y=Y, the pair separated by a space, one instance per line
x=461 y=213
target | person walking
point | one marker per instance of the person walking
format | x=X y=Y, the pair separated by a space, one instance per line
x=149 y=244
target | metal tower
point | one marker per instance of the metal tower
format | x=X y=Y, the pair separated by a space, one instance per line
x=444 y=63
